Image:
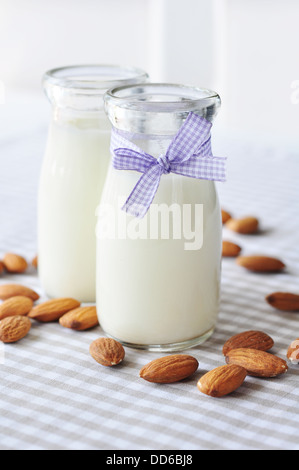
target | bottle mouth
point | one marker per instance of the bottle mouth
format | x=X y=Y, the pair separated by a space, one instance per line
x=161 y=97
x=80 y=86
x=94 y=77
x=158 y=108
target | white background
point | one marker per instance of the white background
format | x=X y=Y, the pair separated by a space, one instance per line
x=247 y=50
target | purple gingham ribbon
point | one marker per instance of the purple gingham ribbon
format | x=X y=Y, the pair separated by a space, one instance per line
x=188 y=154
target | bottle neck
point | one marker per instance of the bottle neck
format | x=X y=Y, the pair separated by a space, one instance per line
x=158 y=109
x=82 y=88
x=80 y=119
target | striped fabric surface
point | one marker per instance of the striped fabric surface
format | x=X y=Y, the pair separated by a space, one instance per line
x=53 y=395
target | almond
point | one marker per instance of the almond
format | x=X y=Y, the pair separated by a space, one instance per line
x=14 y=263
x=293 y=352
x=53 y=309
x=230 y=249
x=79 y=319
x=225 y=216
x=13 y=290
x=1 y=267
x=34 y=262
x=169 y=369
x=107 y=351
x=257 y=363
x=249 y=339
x=246 y=225
x=260 y=263
x=284 y=301
x=222 y=381
x=18 y=305
x=13 y=329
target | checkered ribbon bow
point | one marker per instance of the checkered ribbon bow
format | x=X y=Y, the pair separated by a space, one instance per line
x=188 y=154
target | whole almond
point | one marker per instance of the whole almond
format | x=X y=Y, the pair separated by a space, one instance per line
x=222 y=381
x=249 y=339
x=225 y=216
x=284 y=301
x=230 y=249
x=246 y=225
x=169 y=369
x=13 y=329
x=257 y=363
x=52 y=310
x=107 y=351
x=293 y=352
x=13 y=290
x=14 y=263
x=1 y=267
x=34 y=262
x=80 y=319
x=261 y=264
x=18 y=305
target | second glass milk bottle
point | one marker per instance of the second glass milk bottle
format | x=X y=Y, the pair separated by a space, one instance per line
x=159 y=234
x=73 y=174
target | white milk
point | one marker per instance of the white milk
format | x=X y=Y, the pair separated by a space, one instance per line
x=72 y=178
x=154 y=292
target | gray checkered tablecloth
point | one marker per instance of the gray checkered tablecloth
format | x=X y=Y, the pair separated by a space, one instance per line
x=53 y=395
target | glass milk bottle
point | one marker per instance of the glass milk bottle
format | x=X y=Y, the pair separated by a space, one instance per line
x=159 y=254
x=73 y=174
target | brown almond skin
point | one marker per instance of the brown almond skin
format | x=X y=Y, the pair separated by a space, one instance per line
x=257 y=363
x=79 y=319
x=222 y=380
x=18 y=305
x=12 y=329
x=293 y=352
x=12 y=290
x=52 y=310
x=225 y=216
x=169 y=369
x=34 y=262
x=15 y=263
x=246 y=225
x=1 y=267
x=249 y=339
x=230 y=249
x=261 y=264
x=107 y=351
x=284 y=301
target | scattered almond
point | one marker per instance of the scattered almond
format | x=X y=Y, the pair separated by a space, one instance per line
x=284 y=301
x=80 y=319
x=169 y=369
x=246 y=225
x=18 y=306
x=14 y=263
x=257 y=363
x=34 y=262
x=225 y=216
x=260 y=263
x=107 y=351
x=52 y=310
x=13 y=290
x=293 y=352
x=1 y=267
x=230 y=249
x=222 y=381
x=13 y=329
x=249 y=339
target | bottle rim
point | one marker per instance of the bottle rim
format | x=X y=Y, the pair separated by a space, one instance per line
x=93 y=78
x=160 y=97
